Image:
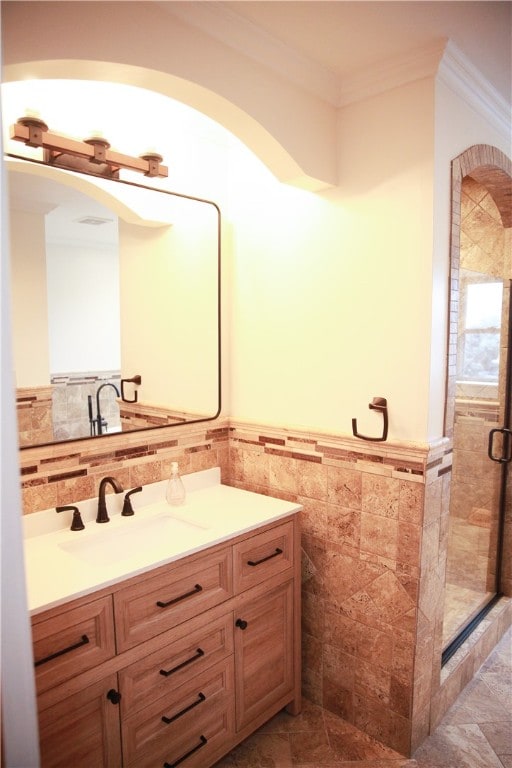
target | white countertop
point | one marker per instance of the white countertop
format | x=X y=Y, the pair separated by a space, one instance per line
x=62 y=565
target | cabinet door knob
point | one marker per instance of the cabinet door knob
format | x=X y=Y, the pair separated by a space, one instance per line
x=114 y=696
x=241 y=623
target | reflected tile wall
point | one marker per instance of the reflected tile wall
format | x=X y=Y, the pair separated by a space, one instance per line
x=34 y=415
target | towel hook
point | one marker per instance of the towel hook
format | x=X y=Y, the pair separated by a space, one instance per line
x=134 y=380
x=377 y=404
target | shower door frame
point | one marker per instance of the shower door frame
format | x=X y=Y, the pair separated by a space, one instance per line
x=492 y=169
x=473 y=623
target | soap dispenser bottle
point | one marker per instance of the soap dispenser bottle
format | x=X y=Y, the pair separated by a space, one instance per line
x=175 y=494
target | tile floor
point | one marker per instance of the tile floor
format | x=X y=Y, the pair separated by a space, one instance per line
x=475 y=733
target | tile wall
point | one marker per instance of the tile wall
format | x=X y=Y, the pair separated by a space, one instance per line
x=70 y=411
x=139 y=415
x=34 y=414
x=374 y=526
x=368 y=620
x=63 y=472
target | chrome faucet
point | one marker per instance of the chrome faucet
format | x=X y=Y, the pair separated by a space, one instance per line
x=102 y=516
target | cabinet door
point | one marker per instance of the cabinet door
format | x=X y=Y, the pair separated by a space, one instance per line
x=264 y=654
x=82 y=730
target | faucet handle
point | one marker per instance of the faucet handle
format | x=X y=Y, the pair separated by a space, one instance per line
x=77 y=523
x=127 y=506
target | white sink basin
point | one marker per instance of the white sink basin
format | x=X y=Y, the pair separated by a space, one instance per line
x=132 y=537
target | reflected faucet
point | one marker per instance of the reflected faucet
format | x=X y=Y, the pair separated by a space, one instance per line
x=102 y=516
x=98 y=423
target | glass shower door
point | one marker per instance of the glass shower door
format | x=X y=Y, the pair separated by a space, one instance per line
x=481 y=447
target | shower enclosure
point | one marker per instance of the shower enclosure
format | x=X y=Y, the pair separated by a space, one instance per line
x=482 y=440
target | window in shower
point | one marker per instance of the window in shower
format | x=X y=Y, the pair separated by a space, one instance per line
x=479 y=338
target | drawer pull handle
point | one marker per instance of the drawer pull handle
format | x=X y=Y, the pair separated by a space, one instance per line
x=70 y=648
x=241 y=623
x=197 y=655
x=200 y=698
x=197 y=588
x=202 y=739
x=264 y=559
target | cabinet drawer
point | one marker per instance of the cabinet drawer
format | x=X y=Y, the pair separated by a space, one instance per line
x=195 y=649
x=161 y=602
x=72 y=642
x=263 y=555
x=196 y=719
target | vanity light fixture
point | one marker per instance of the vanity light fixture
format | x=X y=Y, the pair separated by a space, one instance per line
x=93 y=155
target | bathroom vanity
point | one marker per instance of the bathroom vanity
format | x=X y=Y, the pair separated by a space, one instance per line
x=153 y=659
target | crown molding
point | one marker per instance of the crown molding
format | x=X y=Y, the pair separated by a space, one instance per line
x=245 y=37
x=392 y=73
x=463 y=78
x=442 y=59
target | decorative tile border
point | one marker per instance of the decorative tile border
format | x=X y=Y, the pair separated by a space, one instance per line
x=393 y=460
x=63 y=472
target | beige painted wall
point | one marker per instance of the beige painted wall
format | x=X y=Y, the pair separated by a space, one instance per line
x=29 y=302
x=169 y=310
x=331 y=291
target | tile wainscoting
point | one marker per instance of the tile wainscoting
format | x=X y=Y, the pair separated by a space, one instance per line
x=63 y=472
x=374 y=536
x=34 y=414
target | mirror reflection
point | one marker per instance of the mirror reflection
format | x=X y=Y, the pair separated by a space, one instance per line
x=115 y=305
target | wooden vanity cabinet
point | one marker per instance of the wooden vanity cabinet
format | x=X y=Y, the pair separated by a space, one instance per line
x=180 y=664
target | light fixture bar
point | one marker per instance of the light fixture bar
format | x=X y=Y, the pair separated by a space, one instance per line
x=34 y=133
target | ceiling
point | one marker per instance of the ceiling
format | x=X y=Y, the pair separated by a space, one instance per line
x=343 y=39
